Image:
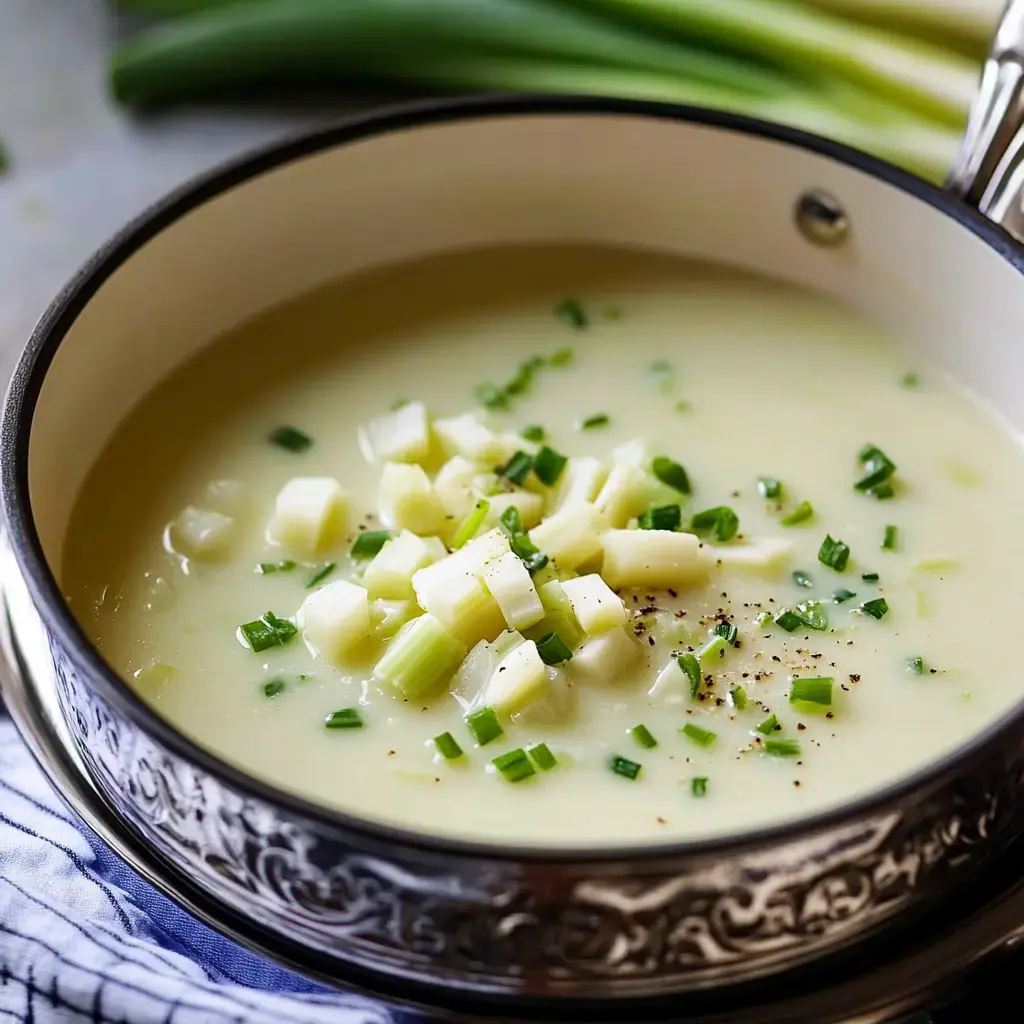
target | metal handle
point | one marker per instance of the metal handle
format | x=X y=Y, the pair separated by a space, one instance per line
x=988 y=171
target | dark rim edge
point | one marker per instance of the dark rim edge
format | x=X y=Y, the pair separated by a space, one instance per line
x=30 y=372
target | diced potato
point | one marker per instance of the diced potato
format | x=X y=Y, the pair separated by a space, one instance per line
x=421 y=657
x=335 y=618
x=596 y=607
x=652 y=558
x=624 y=494
x=581 y=481
x=455 y=595
x=530 y=505
x=390 y=572
x=202 y=534
x=672 y=683
x=553 y=706
x=453 y=486
x=633 y=453
x=407 y=500
x=520 y=678
x=571 y=536
x=310 y=513
x=388 y=617
x=511 y=586
x=756 y=555
x=481 y=550
x=605 y=658
x=465 y=435
x=399 y=436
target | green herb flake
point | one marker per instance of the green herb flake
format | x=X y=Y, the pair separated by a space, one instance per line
x=511 y=525
x=910 y=380
x=369 y=543
x=571 y=312
x=515 y=766
x=728 y=632
x=542 y=757
x=484 y=725
x=561 y=357
x=699 y=785
x=834 y=553
x=272 y=687
x=624 y=767
x=321 y=574
x=665 y=517
x=533 y=433
x=801 y=579
x=671 y=473
x=801 y=514
x=889 y=538
x=291 y=439
x=266 y=632
x=816 y=691
x=721 y=522
x=915 y=666
x=683 y=406
x=491 y=396
x=698 y=736
x=447 y=746
x=643 y=737
x=768 y=726
x=600 y=419
x=517 y=468
x=344 y=718
x=769 y=488
x=877 y=608
x=269 y=568
x=813 y=615
x=548 y=465
x=842 y=596
x=738 y=696
x=788 y=620
x=778 y=747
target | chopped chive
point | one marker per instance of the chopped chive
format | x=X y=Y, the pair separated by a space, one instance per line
x=813 y=615
x=624 y=767
x=869 y=577
x=801 y=579
x=490 y=396
x=915 y=666
x=883 y=491
x=542 y=757
x=738 y=696
x=695 y=734
x=769 y=488
x=560 y=357
x=834 y=553
x=511 y=525
x=665 y=517
x=344 y=718
x=768 y=726
x=484 y=726
x=816 y=690
x=369 y=542
x=524 y=376
x=267 y=568
x=803 y=512
x=552 y=649
x=699 y=785
x=878 y=467
x=291 y=439
x=875 y=608
x=721 y=522
x=671 y=473
x=778 y=747
x=548 y=465
x=691 y=667
x=448 y=746
x=788 y=620
x=572 y=313
x=266 y=632
x=889 y=540
x=517 y=468
x=470 y=526
x=321 y=574
x=272 y=687
x=643 y=736
x=600 y=419
x=514 y=766
x=533 y=432
x=841 y=596
x=910 y=380
x=727 y=631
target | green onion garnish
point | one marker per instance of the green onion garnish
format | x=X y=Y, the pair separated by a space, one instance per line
x=788 y=620
x=533 y=433
x=816 y=690
x=542 y=757
x=695 y=734
x=682 y=406
x=738 y=696
x=910 y=380
x=572 y=313
x=291 y=439
x=272 y=687
x=490 y=396
x=321 y=574
x=840 y=596
x=624 y=767
x=514 y=766
x=517 y=468
x=511 y=525
x=448 y=746
x=369 y=542
x=470 y=526
x=769 y=488
x=813 y=615
x=548 y=465
x=768 y=726
x=878 y=467
x=267 y=568
x=803 y=512
x=833 y=553
x=883 y=491
x=915 y=666
x=720 y=521
x=344 y=718
x=600 y=419
x=875 y=608
x=665 y=517
x=484 y=726
x=691 y=667
x=801 y=579
x=560 y=357
x=699 y=785
x=889 y=540
x=869 y=577
x=643 y=736
x=671 y=473
x=727 y=631
x=266 y=632
x=552 y=649
x=782 y=748
x=663 y=374
x=524 y=376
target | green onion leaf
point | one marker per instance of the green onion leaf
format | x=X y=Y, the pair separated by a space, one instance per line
x=624 y=767
x=699 y=785
x=695 y=734
x=470 y=526
x=490 y=396
x=484 y=725
x=727 y=631
x=869 y=577
x=801 y=579
x=834 y=553
x=548 y=466
x=266 y=632
x=524 y=376
x=768 y=726
x=769 y=488
x=788 y=620
x=291 y=439
x=738 y=696
x=671 y=473
x=272 y=687
x=533 y=433
x=889 y=540
x=782 y=748
x=321 y=574
x=883 y=491
x=514 y=766
x=344 y=718
x=542 y=757
x=665 y=517
x=511 y=525
x=803 y=512
x=877 y=466
x=552 y=649
x=600 y=419
x=267 y=568
x=915 y=666
x=813 y=615
x=560 y=357
x=876 y=608
x=643 y=736
x=816 y=690
x=572 y=313
x=369 y=543
x=721 y=522
x=691 y=666
x=841 y=596
x=448 y=746
x=517 y=468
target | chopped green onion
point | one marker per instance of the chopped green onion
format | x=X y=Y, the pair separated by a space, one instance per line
x=470 y=526
x=321 y=574
x=699 y=785
x=572 y=313
x=533 y=433
x=803 y=512
x=542 y=757
x=514 y=766
x=267 y=568
x=910 y=380
x=695 y=734
x=788 y=620
x=598 y=420
x=344 y=718
x=671 y=473
x=272 y=687
x=448 y=746
x=813 y=615
x=552 y=649
x=720 y=521
x=889 y=540
x=834 y=553
x=517 y=468
x=682 y=406
x=691 y=667
x=840 y=596
x=511 y=525
x=801 y=579
x=560 y=357
x=643 y=736
x=915 y=666
x=869 y=577
x=769 y=488
x=665 y=517
x=490 y=396
x=369 y=542
x=548 y=466
x=878 y=467
x=524 y=376
x=816 y=690
x=875 y=608
x=782 y=748
x=266 y=632
x=727 y=631
x=768 y=726
x=883 y=491
x=484 y=726
x=738 y=696
x=291 y=439
x=624 y=767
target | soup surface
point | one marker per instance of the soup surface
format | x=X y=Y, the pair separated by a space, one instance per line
x=819 y=641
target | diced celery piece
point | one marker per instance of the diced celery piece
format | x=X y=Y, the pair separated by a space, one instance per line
x=453 y=486
x=390 y=572
x=407 y=500
x=761 y=555
x=624 y=494
x=505 y=642
x=604 y=658
x=519 y=679
x=651 y=558
x=530 y=506
x=399 y=436
x=712 y=652
x=467 y=436
x=202 y=533
x=511 y=586
x=420 y=658
x=581 y=481
x=596 y=606
x=310 y=512
x=335 y=618
x=455 y=595
x=571 y=536
x=481 y=550
x=559 y=617
x=388 y=617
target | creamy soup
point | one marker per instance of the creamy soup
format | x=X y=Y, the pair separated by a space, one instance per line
x=560 y=546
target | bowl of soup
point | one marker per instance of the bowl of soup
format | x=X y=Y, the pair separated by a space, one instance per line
x=545 y=549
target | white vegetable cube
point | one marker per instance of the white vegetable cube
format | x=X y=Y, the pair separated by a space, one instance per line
x=520 y=678
x=466 y=436
x=596 y=606
x=455 y=595
x=605 y=658
x=571 y=536
x=510 y=585
x=760 y=555
x=420 y=658
x=335 y=618
x=672 y=682
x=400 y=436
x=202 y=534
x=481 y=550
x=390 y=572
x=309 y=514
x=633 y=453
x=388 y=617
x=581 y=481
x=407 y=500
x=652 y=558
x=453 y=486
x=625 y=494
x=530 y=506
